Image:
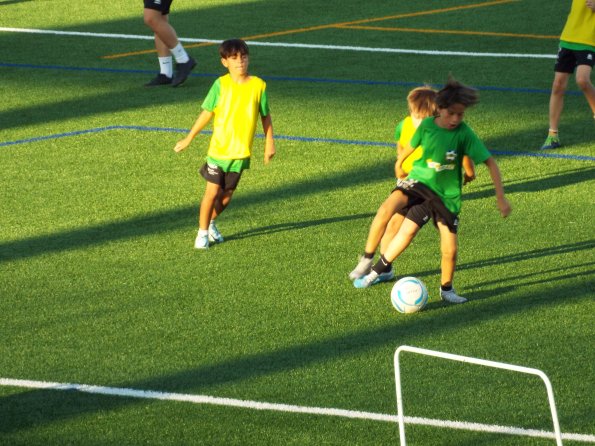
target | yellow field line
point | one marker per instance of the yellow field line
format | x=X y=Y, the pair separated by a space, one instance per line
x=443 y=31
x=332 y=25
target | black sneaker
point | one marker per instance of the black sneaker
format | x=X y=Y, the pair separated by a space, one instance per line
x=182 y=72
x=160 y=79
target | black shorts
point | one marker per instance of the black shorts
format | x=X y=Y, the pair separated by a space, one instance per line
x=214 y=174
x=423 y=204
x=159 y=5
x=568 y=60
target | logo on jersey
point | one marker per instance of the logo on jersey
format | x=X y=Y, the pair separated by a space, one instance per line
x=450 y=158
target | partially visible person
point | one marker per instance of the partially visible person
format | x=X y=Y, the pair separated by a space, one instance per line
x=576 y=53
x=156 y=17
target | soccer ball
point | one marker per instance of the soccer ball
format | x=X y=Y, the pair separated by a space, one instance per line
x=409 y=295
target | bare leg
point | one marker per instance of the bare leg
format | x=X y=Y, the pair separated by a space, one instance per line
x=207 y=205
x=407 y=232
x=387 y=209
x=583 y=80
x=557 y=98
x=223 y=199
x=391 y=231
x=165 y=35
x=448 y=249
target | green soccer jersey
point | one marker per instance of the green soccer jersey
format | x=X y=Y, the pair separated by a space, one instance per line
x=440 y=165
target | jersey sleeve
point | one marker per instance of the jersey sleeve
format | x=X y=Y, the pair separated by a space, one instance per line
x=264 y=103
x=475 y=148
x=212 y=98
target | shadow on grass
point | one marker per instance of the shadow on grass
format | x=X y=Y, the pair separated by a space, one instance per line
x=36 y=408
x=10 y=2
x=171 y=220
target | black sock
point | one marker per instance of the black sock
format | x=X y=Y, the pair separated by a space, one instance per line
x=368 y=255
x=446 y=287
x=382 y=265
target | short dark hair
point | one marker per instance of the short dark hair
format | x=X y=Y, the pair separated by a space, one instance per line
x=456 y=93
x=233 y=46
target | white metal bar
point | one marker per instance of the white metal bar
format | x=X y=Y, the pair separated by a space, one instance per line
x=470 y=360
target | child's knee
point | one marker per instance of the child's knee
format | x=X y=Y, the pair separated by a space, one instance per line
x=584 y=82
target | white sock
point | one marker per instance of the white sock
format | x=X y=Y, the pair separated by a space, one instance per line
x=180 y=53
x=203 y=232
x=166 y=66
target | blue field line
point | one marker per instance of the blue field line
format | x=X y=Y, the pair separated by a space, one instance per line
x=288 y=78
x=308 y=139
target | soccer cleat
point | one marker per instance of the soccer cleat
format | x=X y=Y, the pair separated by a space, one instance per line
x=364 y=266
x=551 y=142
x=182 y=72
x=452 y=297
x=367 y=280
x=214 y=234
x=385 y=277
x=201 y=242
x=160 y=79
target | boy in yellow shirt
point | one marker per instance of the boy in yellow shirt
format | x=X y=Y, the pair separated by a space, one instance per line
x=235 y=101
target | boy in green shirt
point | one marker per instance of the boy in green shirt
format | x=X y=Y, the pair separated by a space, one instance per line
x=388 y=219
x=235 y=101
x=433 y=187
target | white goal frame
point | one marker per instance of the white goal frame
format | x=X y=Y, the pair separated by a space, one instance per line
x=470 y=360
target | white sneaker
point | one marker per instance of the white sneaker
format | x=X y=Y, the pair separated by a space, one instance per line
x=366 y=281
x=364 y=266
x=214 y=234
x=452 y=296
x=201 y=242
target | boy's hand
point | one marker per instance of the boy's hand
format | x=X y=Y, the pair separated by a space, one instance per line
x=468 y=178
x=591 y=4
x=401 y=173
x=181 y=145
x=504 y=206
x=269 y=153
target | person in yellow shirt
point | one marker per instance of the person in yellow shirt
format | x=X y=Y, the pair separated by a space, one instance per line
x=235 y=102
x=577 y=52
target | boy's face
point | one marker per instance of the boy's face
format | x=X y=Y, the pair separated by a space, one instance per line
x=237 y=64
x=451 y=117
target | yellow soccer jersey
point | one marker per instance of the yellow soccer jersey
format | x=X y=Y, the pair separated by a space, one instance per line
x=403 y=134
x=236 y=109
x=580 y=26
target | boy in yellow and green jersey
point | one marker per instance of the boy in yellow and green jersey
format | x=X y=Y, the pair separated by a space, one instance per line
x=577 y=52
x=235 y=102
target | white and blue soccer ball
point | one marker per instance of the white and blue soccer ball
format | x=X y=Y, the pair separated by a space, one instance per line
x=409 y=295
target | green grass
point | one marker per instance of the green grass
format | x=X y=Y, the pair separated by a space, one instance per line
x=99 y=283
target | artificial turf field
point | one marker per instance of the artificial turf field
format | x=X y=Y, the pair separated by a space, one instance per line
x=100 y=284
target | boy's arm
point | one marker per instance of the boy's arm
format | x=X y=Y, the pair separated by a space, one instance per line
x=402 y=154
x=202 y=120
x=503 y=204
x=269 y=144
x=468 y=170
x=399 y=151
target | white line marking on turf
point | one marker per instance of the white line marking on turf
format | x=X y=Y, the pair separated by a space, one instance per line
x=286 y=45
x=256 y=405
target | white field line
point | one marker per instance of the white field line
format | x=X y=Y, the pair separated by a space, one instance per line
x=256 y=405
x=288 y=45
